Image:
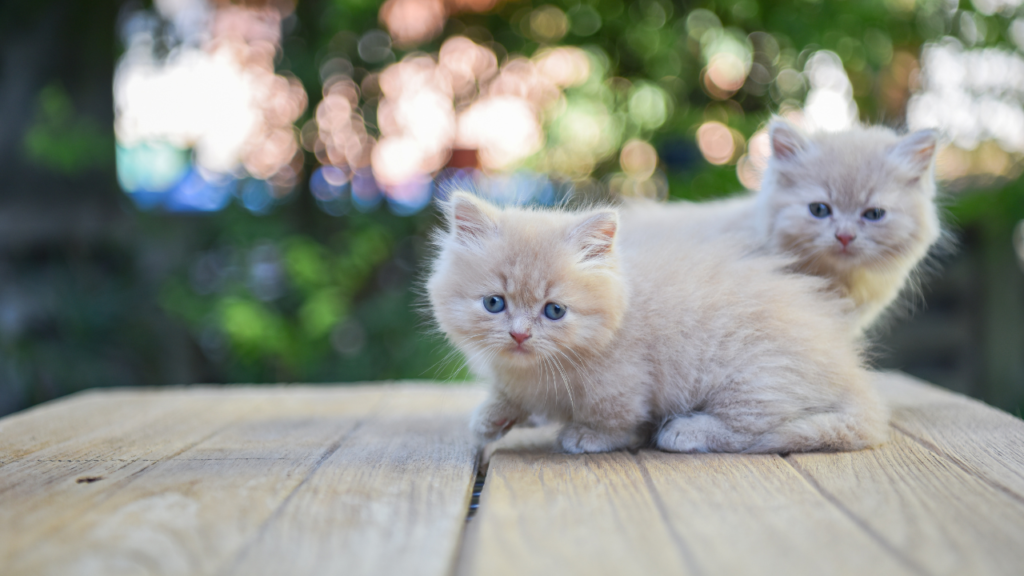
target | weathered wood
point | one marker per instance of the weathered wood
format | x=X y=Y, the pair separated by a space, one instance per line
x=544 y=513
x=73 y=417
x=391 y=499
x=721 y=504
x=377 y=479
x=212 y=507
x=187 y=513
x=983 y=440
x=939 y=517
x=884 y=511
x=44 y=488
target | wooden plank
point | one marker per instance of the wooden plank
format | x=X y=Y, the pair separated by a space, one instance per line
x=392 y=499
x=980 y=439
x=192 y=513
x=547 y=513
x=297 y=480
x=67 y=479
x=942 y=519
x=721 y=504
x=73 y=417
x=126 y=445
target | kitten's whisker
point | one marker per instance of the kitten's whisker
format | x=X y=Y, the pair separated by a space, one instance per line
x=547 y=388
x=584 y=374
x=444 y=362
x=549 y=368
x=544 y=380
x=565 y=380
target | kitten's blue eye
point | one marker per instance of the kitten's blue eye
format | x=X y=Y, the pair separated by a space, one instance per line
x=873 y=214
x=494 y=304
x=554 y=311
x=819 y=209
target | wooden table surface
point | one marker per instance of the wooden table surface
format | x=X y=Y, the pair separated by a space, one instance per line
x=379 y=479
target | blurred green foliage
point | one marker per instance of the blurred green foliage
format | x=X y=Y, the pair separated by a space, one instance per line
x=298 y=295
x=345 y=310
x=63 y=141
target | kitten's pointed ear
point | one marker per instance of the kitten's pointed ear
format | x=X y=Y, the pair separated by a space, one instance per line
x=595 y=236
x=787 y=141
x=471 y=219
x=916 y=151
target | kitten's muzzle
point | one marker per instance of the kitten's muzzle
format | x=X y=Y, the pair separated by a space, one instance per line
x=519 y=337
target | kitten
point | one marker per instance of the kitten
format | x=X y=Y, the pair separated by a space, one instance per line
x=625 y=338
x=855 y=207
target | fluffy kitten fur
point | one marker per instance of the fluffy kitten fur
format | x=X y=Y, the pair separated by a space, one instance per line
x=851 y=172
x=696 y=346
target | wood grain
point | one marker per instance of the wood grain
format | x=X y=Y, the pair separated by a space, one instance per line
x=73 y=417
x=723 y=503
x=210 y=507
x=49 y=485
x=391 y=499
x=376 y=480
x=548 y=513
x=938 y=517
x=186 y=514
x=983 y=440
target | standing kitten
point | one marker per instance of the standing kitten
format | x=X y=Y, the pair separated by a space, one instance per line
x=619 y=334
x=855 y=207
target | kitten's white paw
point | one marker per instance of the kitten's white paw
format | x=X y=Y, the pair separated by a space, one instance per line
x=684 y=434
x=490 y=423
x=578 y=439
x=701 y=433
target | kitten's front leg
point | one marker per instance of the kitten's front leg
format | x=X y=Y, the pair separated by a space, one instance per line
x=611 y=416
x=494 y=418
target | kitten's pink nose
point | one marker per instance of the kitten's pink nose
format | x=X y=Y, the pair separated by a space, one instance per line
x=845 y=239
x=519 y=337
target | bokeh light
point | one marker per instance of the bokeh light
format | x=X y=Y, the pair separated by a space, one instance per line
x=503 y=128
x=215 y=94
x=214 y=115
x=413 y=22
x=829 y=106
x=716 y=142
x=750 y=167
x=975 y=97
x=459 y=108
x=728 y=54
x=548 y=24
x=638 y=159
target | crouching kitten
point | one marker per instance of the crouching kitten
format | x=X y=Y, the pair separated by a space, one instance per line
x=626 y=338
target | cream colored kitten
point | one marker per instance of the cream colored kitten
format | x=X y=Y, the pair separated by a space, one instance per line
x=856 y=207
x=626 y=338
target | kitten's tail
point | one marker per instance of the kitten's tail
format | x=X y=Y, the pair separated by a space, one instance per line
x=862 y=422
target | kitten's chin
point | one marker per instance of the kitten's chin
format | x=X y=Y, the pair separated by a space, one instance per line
x=517 y=357
x=518 y=352
x=847 y=257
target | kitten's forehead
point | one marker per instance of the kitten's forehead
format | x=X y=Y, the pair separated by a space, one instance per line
x=853 y=168
x=523 y=262
x=531 y=266
x=527 y=277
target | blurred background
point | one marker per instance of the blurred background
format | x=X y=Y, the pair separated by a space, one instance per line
x=213 y=191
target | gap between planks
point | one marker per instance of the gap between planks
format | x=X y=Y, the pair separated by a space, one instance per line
x=685 y=552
